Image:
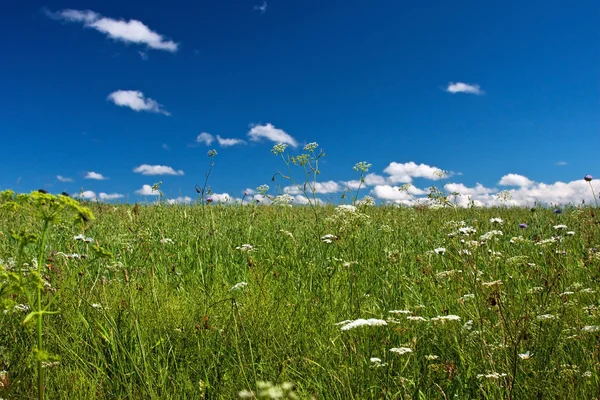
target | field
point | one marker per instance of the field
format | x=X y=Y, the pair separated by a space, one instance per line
x=173 y=302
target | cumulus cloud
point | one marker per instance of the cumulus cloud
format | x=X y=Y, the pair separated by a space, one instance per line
x=136 y=100
x=221 y=197
x=460 y=87
x=229 y=142
x=515 y=180
x=370 y=180
x=404 y=173
x=87 y=195
x=557 y=193
x=180 y=200
x=108 y=197
x=95 y=175
x=269 y=132
x=146 y=169
x=146 y=190
x=132 y=31
x=63 y=179
x=320 y=187
x=205 y=138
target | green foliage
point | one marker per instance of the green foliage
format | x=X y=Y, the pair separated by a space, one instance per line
x=161 y=302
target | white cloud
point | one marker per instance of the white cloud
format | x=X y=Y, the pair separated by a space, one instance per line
x=268 y=131
x=404 y=173
x=262 y=8
x=229 y=142
x=221 y=197
x=249 y=191
x=205 y=138
x=165 y=146
x=320 y=187
x=460 y=87
x=87 y=195
x=63 y=179
x=132 y=31
x=370 y=180
x=180 y=200
x=107 y=197
x=561 y=163
x=515 y=180
x=136 y=100
x=146 y=190
x=464 y=190
x=146 y=169
x=95 y=175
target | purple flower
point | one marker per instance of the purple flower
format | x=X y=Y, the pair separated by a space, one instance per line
x=524 y=226
x=588 y=178
x=557 y=211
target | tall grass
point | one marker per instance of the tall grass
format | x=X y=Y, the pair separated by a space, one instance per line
x=156 y=308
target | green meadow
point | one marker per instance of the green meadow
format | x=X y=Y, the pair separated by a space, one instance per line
x=216 y=301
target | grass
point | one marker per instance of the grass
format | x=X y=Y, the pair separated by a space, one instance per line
x=146 y=317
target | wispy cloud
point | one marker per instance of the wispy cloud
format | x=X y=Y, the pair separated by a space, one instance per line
x=229 y=142
x=146 y=190
x=320 y=187
x=268 y=131
x=205 y=138
x=132 y=31
x=63 y=178
x=146 y=169
x=561 y=163
x=180 y=200
x=262 y=8
x=95 y=175
x=136 y=100
x=515 y=180
x=460 y=87
x=108 y=197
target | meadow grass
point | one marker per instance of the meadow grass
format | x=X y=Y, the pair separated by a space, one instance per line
x=166 y=302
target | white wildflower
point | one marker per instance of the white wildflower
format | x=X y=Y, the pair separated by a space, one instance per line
x=431 y=357
x=166 y=241
x=238 y=286
x=401 y=350
x=570 y=233
x=490 y=235
x=329 y=238
x=492 y=283
x=445 y=318
x=400 y=312
x=245 y=248
x=440 y=250
x=493 y=375
x=415 y=318
x=545 y=317
x=562 y=227
x=347 y=325
x=499 y=221
x=377 y=362
x=591 y=328
x=83 y=239
x=526 y=355
x=451 y=272
x=467 y=230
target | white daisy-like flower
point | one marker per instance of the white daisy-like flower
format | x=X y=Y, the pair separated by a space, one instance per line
x=440 y=250
x=499 y=221
x=351 y=324
x=561 y=227
x=376 y=362
x=401 y=350
x=83 y=239
x=329 y=238
x=526 y=356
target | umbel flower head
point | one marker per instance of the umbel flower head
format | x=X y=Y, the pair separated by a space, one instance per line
x=588 y=178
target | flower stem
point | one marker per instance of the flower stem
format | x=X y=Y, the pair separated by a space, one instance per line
x=40 y=342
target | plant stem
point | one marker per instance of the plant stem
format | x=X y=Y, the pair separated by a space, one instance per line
x=40 y=342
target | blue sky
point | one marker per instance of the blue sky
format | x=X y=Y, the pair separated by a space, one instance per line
x=503 y=95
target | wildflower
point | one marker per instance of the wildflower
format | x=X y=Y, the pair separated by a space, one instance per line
x=570 y=233
x=431 y=357
x=400 y=312
x=489 y=235
x=445 y=274
x=349 y=324
x=166 y=241
x=401 y=350
x=83 y=239
x=465 y=252
x=279 y=148
x=97 y=306
x=468 y=325
x=567 y=293
x=493 y=375
x=557 y=211
x=587 y=374
x=415 y=318
x=588 y=178
x=545 y=317
x=440 y=250
x=50 y=364
x=329 y=238
x=238 y=286
x=560 y=227
x=523 y=226
x=345 y=208
x=362 y=166
x=591 y=328
x=22 y=307
x=466 y=230
x=311 y=146
x=587 y=290
x=467 y=296
x=377 y=362
x=212 y=153
x=493 y=283
x=245 y=248
x=445 y=318
x=366 y=201
x=526 y=355
x=209 y=200
x=497 y=221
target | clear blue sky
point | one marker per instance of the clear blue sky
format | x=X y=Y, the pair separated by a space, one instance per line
x=481 y=89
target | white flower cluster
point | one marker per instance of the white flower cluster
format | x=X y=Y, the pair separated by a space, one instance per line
x=351 y=324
